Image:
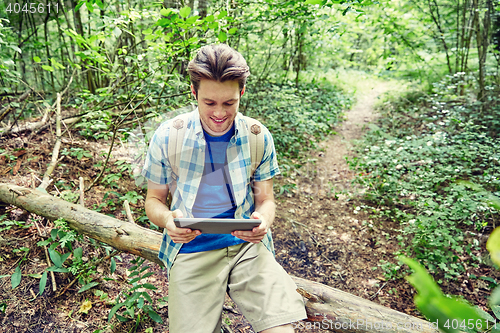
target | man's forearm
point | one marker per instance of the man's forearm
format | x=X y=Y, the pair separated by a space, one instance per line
x=157 y=212
x=268 y=210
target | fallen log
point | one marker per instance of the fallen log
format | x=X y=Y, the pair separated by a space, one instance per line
x=327 y=308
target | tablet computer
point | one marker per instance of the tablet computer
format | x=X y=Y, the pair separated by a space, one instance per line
x=217 y=226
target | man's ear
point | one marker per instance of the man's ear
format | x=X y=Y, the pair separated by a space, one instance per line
x=242 y=91
x=193 y=92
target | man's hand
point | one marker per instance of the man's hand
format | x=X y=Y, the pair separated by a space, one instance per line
x=257 y=234
x=179 y=235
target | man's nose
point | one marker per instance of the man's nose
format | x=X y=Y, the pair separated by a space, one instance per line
x=219 y=112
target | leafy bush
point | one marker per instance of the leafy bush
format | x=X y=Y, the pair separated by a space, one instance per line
x=297 y=118
x=415 y=164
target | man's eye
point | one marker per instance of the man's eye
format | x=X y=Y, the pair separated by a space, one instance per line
x=229 y=104
x=209 y=104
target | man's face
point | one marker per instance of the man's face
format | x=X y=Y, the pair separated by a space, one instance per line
x=218 y=104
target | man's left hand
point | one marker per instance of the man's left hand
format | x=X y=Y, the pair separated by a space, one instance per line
x=257 y=234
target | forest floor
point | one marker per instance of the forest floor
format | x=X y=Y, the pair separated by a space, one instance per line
x=320 y=234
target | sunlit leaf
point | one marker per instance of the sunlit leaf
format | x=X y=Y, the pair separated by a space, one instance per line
x=48 y=68
x=15 y=48
x=85 y=307
x=117 y=32
x=222 y=36
x=184 y=12
x=222 y=14
x=89 y=6
x=495 y=297
x=165 y=12
x=36 y=59
x=431 y=301
x=493 y=246
x=314 y=2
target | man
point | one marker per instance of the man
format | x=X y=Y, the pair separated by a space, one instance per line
x=214 y=180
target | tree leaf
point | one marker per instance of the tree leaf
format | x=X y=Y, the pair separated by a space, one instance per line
x=222 y=36
x=36 y=59
x=493 y=246
x=15 y=48
x=80 y=4
x=55 y=257
x=117 y=32
x=48 y=68
x=495 y=297
x=113 y=310
x=78 y=253
x=43 y=282
x=314 y=2
x=15 y=279
x=88 y=286
x=149 y=286
x=431 y=301
x=232 y=31
x=496 y=310
x=89 y=6
x=165 y=12
x=65 y=256
x=57 y=269
x=153 y=315
x=85 y=307
x=184 y=12
x=113 y=265
x=222 y=14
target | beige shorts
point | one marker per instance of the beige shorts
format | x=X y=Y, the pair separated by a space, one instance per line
x=248 y=272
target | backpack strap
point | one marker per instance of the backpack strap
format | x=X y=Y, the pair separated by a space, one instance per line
x=178 y=129
x=175 y=141
x=256 y=140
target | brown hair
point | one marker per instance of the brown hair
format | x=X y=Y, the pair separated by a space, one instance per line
x=218 y=62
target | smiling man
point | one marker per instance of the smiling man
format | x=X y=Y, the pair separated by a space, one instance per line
x=215 y=178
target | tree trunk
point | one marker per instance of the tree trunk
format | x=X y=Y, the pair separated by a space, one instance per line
x=327 y=308
x=482 y=28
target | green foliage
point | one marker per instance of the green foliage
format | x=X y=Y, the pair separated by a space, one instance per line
x=6 y=224
x=297 y=118
x=8 y=73
x=15 y=279
x=79 y=153
x=415 y=164
x=493 y=246
x=133 y=301
x=132 y=197
x=452 y=314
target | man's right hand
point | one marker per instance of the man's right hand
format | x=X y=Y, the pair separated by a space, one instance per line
x=179 y=235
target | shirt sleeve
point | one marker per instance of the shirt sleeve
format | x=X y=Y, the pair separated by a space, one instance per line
x=156 y=166
x=268 y=167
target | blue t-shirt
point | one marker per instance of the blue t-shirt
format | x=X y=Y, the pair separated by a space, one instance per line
x=215 y=198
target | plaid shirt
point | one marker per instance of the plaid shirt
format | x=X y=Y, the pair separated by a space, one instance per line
x=192 y=162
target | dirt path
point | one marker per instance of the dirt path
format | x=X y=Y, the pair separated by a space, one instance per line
x=338 y=147
x=322 y=234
